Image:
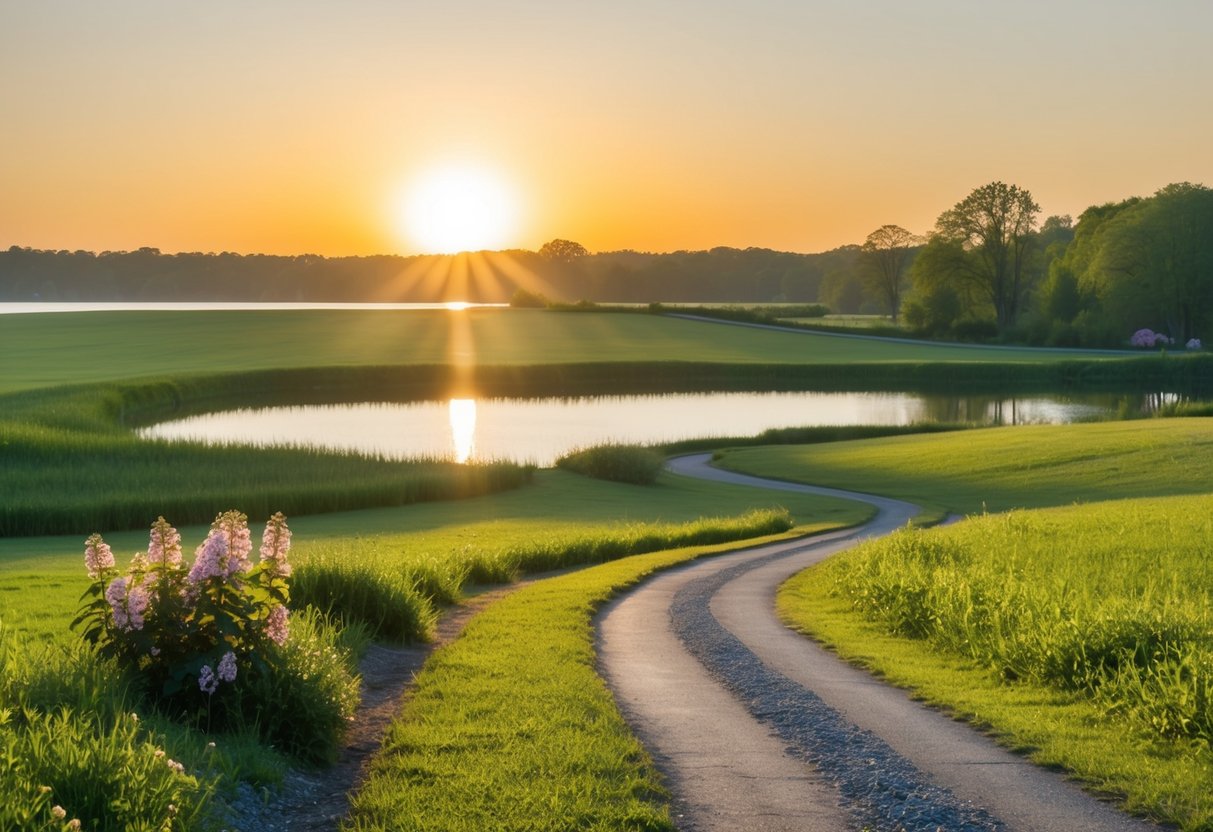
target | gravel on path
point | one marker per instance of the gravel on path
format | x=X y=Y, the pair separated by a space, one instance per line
x=891 y=763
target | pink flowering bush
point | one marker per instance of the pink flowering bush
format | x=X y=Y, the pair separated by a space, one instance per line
x=1148 y=339
x=189 y=630
x=214 y=641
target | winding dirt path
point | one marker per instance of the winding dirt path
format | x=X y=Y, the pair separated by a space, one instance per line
x=758 y=728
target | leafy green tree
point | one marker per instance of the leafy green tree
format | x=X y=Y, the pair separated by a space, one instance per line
x=886 y=254
x=1154 y=267
x=989 y=233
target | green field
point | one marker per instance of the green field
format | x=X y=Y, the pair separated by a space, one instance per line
x=71 y=448
x=996 y=469
x=47 y=349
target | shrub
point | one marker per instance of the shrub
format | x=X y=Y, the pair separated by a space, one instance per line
x=303 y=702
x=188 y=630
x=211 y=641
x=633 y=464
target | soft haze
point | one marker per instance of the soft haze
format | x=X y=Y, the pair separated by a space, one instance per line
x=288 y=127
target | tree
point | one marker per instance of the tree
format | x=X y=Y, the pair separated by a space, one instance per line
x=993 y=228
x=562 y=251
x=886 y=253
x=1155 y=265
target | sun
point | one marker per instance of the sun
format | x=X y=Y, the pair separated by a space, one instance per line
x=459 y=208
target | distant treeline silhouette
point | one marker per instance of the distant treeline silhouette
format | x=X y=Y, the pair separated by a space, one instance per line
x=720 y=275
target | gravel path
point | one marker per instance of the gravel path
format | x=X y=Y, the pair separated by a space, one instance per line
x=790 y=737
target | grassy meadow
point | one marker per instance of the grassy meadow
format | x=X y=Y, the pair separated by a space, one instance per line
x=996 y=469
x=52 y=349
x=380 y=563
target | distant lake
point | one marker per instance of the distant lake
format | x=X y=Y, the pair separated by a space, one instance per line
x=219 y=306
x=542 y=430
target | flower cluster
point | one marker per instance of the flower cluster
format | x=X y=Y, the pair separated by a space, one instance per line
x=1193 y=344
x=1148 y=338
x=191 y=628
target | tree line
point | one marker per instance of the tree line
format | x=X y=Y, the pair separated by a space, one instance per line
x=561 y=270
x=988 y=270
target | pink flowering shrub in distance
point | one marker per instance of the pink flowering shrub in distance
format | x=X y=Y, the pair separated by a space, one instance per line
x=1148 y=338
x=190 y=631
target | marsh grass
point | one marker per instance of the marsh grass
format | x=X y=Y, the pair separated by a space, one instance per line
x=71 y=466
x=633 y=464
x=1108 y=605
x=67 y=723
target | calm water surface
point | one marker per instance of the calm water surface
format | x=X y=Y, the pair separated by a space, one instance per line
x=542 y=430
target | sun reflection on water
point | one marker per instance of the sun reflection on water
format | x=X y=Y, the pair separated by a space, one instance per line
x=463 y=428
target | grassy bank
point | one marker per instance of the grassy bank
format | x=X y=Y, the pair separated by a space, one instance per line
x=1001 y=468
x=1081 y=635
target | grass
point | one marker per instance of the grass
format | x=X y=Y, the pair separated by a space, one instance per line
x=511 y=532
x=997 y=469
x=60 y=348
x=1081 y=635
x=510 y=727
x=1098 y=612
x=619 y=463
x=41 y=578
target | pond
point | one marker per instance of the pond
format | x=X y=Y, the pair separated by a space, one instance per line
x=542 y=430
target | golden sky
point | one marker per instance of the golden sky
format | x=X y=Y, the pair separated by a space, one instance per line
x=290 y=127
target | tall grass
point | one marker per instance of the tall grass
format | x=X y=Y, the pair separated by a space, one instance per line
x=69 y=738
x=395 y=597
x=1111 y=601
x=633 y=464
x=71 y=466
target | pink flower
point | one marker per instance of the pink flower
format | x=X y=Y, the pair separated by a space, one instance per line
x=210 y=559
x=227 y=667
x=115 y=594
x=164 y=545
x=128 y=601
x=233 y=526
x=97 y=556
x=277 y=626
x=275 y=542
x=207 y=682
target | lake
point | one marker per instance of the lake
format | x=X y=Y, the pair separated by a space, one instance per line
x=542 y=430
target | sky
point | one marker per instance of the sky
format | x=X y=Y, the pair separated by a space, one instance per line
x=655 y=125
